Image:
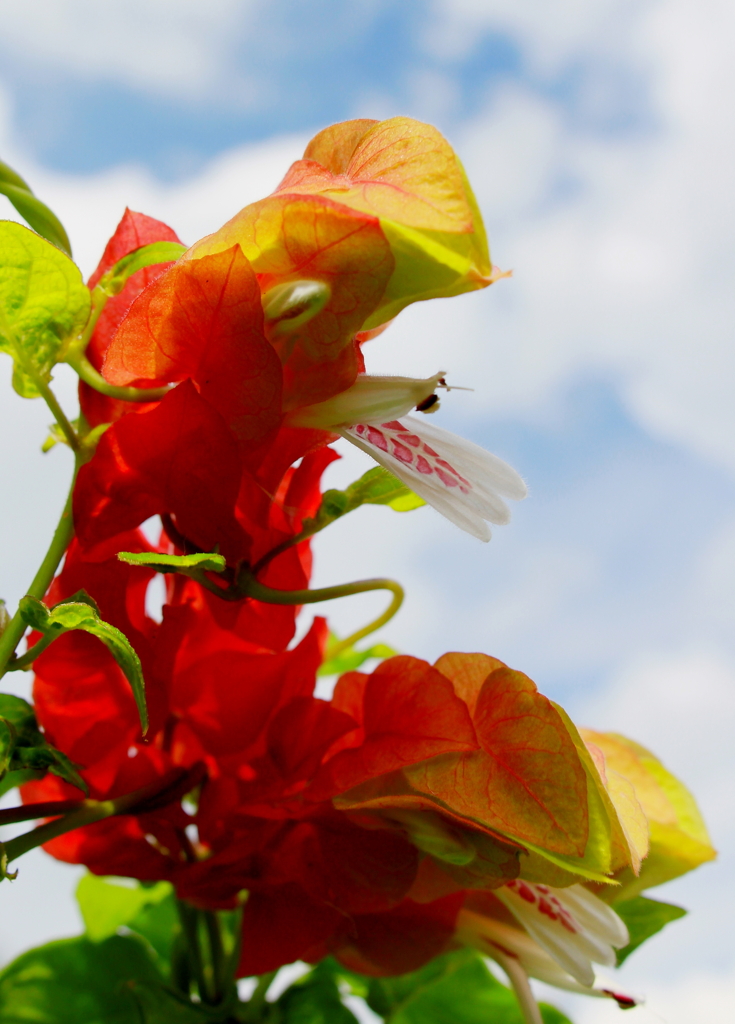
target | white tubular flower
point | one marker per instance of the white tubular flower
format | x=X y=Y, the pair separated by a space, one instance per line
x=458 y=478
x=559 y=935
x=371 y=399
x=576 y=928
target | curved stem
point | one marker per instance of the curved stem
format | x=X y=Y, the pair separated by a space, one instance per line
x=63 y=534
x=82 y=366
x=248 y=586
x=260 y=592
x=26 y=660
x=521 y=986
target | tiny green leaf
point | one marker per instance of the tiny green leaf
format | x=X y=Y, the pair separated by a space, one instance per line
x=31 y=209
x=76 y=981
x=350 y=659
x=376 y=487
x=174 y=563
x=147 y=256
x=106 y=906
x=379 y=487
x=44 y=304
x=644 y=917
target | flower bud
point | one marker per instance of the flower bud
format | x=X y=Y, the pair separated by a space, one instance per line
x=290 y=305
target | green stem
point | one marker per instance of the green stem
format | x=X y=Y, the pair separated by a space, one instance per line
x=79 y=362
x=99 y=301
x=86 y=812
x=63 y=534
x=257 y=999
x=217 y=955
x=248 y=586
x=260 y=592
x=189 y=917
x=26 y=660
x=59 y=415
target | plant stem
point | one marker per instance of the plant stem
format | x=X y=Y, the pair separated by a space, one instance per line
x=59 y=415
x=86 y=812
x=27 y=659
x=189 y=917
x=63 y=534
x=28 y=812
x=257 y=999
x=217 y=955
x=521 y=986
x=82 y=366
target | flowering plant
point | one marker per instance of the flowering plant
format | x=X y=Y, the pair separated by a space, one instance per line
x=396 y=838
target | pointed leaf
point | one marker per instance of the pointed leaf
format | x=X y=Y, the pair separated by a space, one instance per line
x=44 y=304
x=173 y=563
x=69 y=615
x=31 y=209
x=644 y=918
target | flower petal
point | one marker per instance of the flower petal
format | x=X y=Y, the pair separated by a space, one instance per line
x=573 y=926
x=458 y=478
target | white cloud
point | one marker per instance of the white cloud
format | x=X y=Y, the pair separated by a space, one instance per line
x=172 y=47
x=622 y=246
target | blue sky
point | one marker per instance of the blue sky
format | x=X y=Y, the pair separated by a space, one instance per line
x=598 y=138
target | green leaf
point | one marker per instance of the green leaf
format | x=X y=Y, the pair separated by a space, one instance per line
x=25 y=753
x=13 y=779
x=158 y=1004
x=314 y=999
x=20 y=713
x=106 y=906
x=31 y=209
x=76 y=981
x=350 y=659
x=44 y=304
x=379 y=487
x=81 y=612
x=644 y=918
x=115 y=279
x=159 y=924
x=212 y=562
x=456 y=988
x=376 y=487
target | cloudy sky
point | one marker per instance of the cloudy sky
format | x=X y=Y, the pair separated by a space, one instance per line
x=598 y=136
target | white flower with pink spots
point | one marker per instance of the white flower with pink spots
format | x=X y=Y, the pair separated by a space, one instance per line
x=458 y=478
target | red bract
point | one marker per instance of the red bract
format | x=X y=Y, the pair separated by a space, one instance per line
x=133 y=231
x=349 y=822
